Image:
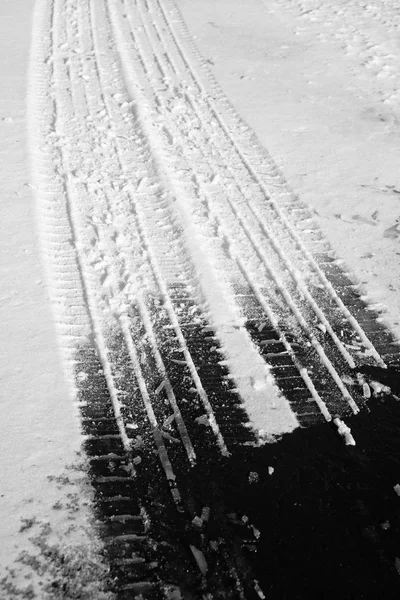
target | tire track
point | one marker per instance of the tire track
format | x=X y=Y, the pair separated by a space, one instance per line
x=357 y=335
x=290 y=303
x=163 y=286
x=231 y=332
x=296 y=218
x=144 y=393
x=256 y=176
x=122 y=375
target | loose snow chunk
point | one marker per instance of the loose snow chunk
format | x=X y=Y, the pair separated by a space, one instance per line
x=366 y=390
x=379 y=388
x=397 y=489
x=131 y=426
x=197 y=522
x=202 y=420
x=344 y=431
x=397 y=564
x=200 y=559
x=160 y=387
x=322 y=327
x=178 y=362
x=271 y=470
x=169 y=437
x=82 y=376
x=168 y=421
x=259 y=590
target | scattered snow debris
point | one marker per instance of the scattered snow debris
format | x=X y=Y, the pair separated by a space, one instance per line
x=169 y=437
x=137 y=442
x=385 y=525
x=256 y=532
x=171 y=592
x=245 y=519
x=178 y=350
x=348 y=380
x=214 y=545
x=160 y=387
x=82 y=376
x=268 y=342
x=193 y=390
x=137 y=460
x=344 y=431
x=168 y=421
x=261 y=327
x=202 y=420
x=271 y=470
x=200 y=559
x=197 y=522
x=253 y=477
x=145 y=519
x=205 y=513
x=366 y=390
x=379 y=388
x=178 y=362
x=131 y=426
x=130 y=469
x=322 y=327
x=352 y=347
x=397 y=489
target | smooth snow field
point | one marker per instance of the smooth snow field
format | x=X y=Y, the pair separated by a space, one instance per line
x=200 y=212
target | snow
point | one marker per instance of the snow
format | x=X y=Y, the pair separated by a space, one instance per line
x=319 y=83
x=344 y=431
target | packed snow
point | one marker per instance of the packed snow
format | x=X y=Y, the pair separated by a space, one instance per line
x=319 y=84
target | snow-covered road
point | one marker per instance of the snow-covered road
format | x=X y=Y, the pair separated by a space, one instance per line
x=200 y=310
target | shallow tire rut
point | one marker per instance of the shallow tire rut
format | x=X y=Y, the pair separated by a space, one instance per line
x=200 y=310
